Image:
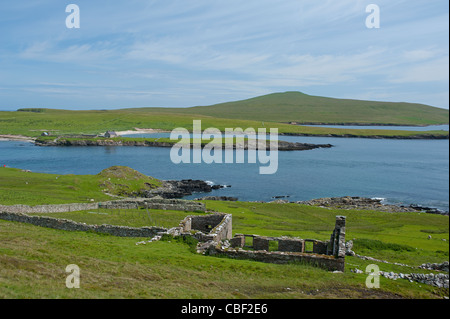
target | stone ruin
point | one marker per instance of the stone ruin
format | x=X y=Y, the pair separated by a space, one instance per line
x=213 y=231
x=327 y=254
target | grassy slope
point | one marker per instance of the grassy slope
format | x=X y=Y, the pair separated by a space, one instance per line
x=19 y=187
x=267 y=111
x=33 y=259
x=303 y=108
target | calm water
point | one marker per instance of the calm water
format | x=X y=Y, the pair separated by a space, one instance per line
x=400 y=128
x=402 y=171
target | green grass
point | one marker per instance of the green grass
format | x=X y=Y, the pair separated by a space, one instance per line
x=392 y=230
x=33 y=259
x=303 y=108
x=270 y=111
x=20 y=187
x=126 y=217
x=396 y=237
x=33 y=262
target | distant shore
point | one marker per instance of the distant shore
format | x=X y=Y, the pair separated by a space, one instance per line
x=17 y=138
x=141 y=131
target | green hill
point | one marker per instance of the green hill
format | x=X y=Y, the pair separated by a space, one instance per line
x=303 y=108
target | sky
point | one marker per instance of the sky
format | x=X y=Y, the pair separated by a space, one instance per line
x=182 y=53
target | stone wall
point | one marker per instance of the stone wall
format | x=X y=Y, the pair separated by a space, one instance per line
x=328 y=262
x=164 y=204
x=327 y=254
x=337 y=241
x=213 y=227
x=64 y=224
x=293 y=245
x=44 y=209
x=157 y=203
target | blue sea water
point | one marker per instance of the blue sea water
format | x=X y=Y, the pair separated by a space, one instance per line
x=401 y=171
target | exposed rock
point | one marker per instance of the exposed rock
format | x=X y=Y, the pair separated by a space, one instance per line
x=368 y=204
x=180 y=189
x=439 y=267
x=219 y=198
x=348 y=248
x=436 y=280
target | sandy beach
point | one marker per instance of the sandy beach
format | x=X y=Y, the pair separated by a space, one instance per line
x=17 y=138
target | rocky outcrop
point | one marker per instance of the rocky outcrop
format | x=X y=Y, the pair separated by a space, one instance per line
x=362 y=203
x=439 y=267
x=436 y=280
x=180 y=189
x=219 y=198
x=282 y=145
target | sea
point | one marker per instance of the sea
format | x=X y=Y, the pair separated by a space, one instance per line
x=400 y=172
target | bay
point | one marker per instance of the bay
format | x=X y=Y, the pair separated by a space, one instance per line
x=401 y=171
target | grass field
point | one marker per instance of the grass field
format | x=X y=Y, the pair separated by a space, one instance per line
x=33 y=259
x=303 y=108
x=27 y=188
x=270 y=111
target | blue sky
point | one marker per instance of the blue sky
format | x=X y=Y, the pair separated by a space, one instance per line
x=179 y=53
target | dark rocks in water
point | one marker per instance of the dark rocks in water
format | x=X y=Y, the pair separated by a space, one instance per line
x=219 y=198
x=283 y=196
x=182 y=188
x=368 y=204
x=428 y=210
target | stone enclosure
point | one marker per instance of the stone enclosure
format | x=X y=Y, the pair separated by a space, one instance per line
x=327 y=254
x=213 y=231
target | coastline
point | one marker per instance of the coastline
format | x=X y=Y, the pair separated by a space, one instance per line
x=8 y=137
x=141 y=131
x=361 y=124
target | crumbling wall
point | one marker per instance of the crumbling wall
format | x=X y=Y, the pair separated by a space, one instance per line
x=324 y=261
x=327 y=254
x=292 y=245
x=213 y=227
x=44 y=209
x=69 y=225
x=336 y=246
x=164 y=204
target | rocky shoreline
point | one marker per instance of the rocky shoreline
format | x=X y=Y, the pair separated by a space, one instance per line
x=282 y=145
x=182 y=188
x=363 y=203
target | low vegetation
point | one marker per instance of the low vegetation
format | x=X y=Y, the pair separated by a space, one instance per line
x=33 y=259
x=27 y=188
x=271 y=111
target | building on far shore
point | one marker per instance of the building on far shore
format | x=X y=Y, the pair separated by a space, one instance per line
x=110 y=134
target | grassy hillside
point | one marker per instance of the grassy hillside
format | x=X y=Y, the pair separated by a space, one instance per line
x=21 y=187
x=62 y=122
x=33 y=259
x=303 y=108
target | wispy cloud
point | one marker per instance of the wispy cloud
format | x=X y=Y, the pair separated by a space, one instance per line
x=139 y=53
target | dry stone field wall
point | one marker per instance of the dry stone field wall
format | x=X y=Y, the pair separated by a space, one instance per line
x=163 y=204
x=69 y=225
x=327 y=254
x=213 y=231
